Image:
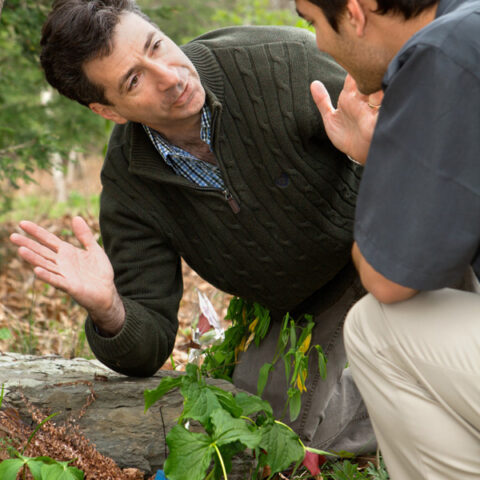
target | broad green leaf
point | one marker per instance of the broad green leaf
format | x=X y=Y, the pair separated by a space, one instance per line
x=229 y=430
x=10 y=468
x=263 y=378
x=252 y=404
x=295 y=403
x=322 y=362
x=227 y=401
x=282 y=446
x=61 y=471
x=166 y=384
x=35 y=465
x=200 y=402
x=190 y=454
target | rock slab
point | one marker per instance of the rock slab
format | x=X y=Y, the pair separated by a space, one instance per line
x=115 y=422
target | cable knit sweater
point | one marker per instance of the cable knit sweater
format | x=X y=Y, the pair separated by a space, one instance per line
x=278 y=233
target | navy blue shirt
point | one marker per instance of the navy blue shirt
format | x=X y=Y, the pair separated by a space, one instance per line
x=418 y=211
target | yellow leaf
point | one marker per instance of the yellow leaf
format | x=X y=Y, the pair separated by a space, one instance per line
x=301 y=377
x=305 y=344
x=252 y=326
x=249 y=341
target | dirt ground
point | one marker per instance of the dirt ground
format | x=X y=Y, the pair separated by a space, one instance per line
x=36 y=318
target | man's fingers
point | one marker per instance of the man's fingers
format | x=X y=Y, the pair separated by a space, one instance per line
x=321 y=98
x=53 y=279
x=36 y=260
x=22 y=241
x=82 y=232
x=41 y=235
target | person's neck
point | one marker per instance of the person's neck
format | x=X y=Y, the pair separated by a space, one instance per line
x=186 y=131
x=395 y=31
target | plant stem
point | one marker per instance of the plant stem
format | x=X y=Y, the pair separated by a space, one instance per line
x=221 y=461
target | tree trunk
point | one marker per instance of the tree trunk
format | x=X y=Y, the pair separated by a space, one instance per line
x=115 y=421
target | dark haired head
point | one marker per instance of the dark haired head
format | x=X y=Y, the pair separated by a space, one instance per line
x=334 y=9
x=75 y=32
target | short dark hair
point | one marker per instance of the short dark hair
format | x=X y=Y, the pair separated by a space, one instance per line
x=75 y=32
x=333 y=9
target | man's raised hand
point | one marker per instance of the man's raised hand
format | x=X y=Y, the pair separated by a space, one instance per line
x=86 y=274
x=350 y=126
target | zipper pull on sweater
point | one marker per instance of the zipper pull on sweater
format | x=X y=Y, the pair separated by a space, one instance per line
x=231 y=201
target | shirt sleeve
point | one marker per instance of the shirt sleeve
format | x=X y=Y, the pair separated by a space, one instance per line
x=418 y=212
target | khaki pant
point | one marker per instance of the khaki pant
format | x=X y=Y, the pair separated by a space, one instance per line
x=417 y=366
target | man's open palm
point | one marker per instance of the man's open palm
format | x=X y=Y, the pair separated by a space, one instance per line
x=84 y=273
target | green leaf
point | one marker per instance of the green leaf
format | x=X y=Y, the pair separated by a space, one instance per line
x=61 y=471
x=35 y=465
x=293 y=335
x=263 y=378
x=322 y=362
x=200 y=402
x=282 y=446
x=5 y=334
x=2 y=394
x=227 y=401
x=167 y=384
x=9 y=468
x=295 y=403
x=229 y=430
x=190 y=454
x=252 y=404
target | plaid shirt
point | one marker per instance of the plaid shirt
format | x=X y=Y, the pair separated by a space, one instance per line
x=184 y=163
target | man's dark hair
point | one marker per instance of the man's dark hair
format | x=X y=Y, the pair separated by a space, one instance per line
x=333 y=9
x=76 y=32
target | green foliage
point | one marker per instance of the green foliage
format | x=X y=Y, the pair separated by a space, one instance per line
x=231 y=424
x=32 y=128
x=250 y=322
x=41 y=468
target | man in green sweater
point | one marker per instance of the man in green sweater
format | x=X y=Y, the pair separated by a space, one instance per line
x=218 y=157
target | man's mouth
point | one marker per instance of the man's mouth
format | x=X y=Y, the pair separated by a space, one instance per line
x=184 y=96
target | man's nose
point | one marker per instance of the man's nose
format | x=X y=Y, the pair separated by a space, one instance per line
x=165 y=76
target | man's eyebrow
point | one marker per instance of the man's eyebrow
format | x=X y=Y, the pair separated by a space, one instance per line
x=146 y=46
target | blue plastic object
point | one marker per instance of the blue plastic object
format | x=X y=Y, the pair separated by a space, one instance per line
x=160 y=475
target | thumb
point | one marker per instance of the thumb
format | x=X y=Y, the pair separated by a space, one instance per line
x=321 y=98
x=82 y=232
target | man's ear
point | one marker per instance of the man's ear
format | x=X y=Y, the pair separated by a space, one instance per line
x=107 y=112
x=356 y=15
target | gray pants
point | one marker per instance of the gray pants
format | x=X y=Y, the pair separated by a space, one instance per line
x=333 y=416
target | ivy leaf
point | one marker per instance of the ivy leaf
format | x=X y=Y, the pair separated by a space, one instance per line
x=252 y=404
x=167 y=384
x=229 y=430
x=61 y=471
x=190 y=454
x=282 y=446
x=9 y=468
x=200 y=402
x=263 y=378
